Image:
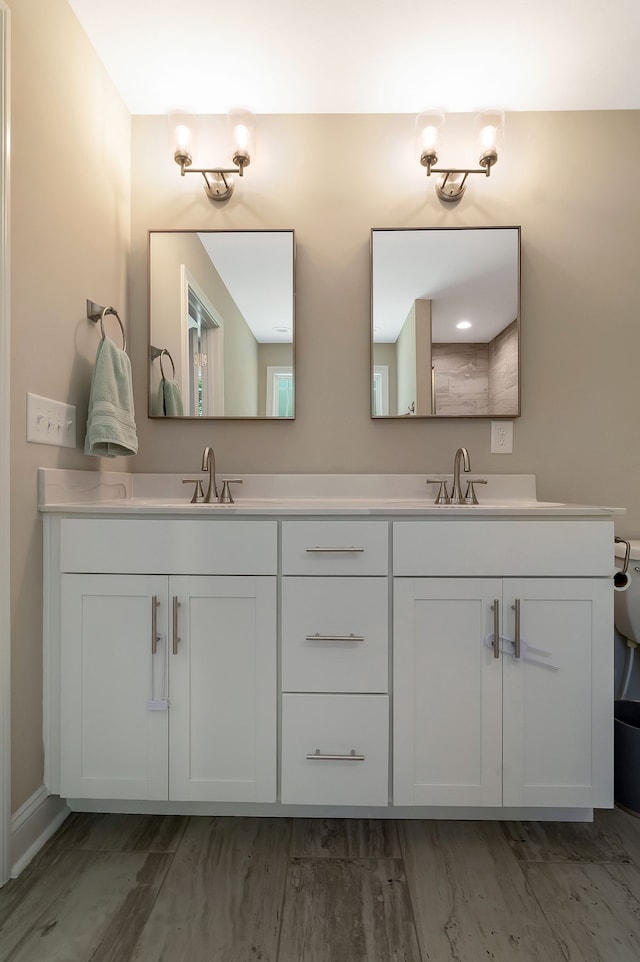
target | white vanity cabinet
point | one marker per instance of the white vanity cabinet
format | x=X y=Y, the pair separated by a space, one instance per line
x=335 y=653
x=168 y=681
x=476 y=725
x=325 y=658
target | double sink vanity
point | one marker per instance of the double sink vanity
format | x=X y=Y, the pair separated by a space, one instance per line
x=326 y=644
x=402 y=645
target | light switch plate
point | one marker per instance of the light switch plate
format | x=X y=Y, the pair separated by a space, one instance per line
x=502 y=437
x=50 y=422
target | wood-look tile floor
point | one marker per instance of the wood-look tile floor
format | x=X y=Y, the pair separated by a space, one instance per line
x=129 y=888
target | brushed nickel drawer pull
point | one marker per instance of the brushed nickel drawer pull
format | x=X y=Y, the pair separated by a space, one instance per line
x=323 y=757
x=319 y=637
x=495 y=607
x=318 y=549
x=176 y=639
x=155 y=604
x=517 y=639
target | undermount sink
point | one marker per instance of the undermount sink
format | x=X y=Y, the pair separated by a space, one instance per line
x=520 y=504
x=238 y=502
x=528 y=504
x=415 y=502
x=289 y=503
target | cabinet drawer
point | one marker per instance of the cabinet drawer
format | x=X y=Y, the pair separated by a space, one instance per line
x=335 y=548
x=334 y=634
x=119 y=546
x=475 y=547
x=336 y=725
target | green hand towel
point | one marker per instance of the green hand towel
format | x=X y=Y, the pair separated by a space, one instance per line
x=111 y=427
x=169 y=402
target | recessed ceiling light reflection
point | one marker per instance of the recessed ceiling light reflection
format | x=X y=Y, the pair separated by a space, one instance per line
x=463 y=325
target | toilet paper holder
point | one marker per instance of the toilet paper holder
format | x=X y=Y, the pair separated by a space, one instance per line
x=625 y=563
x=622 y=578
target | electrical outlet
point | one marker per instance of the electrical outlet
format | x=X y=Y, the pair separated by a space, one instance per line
x=502 y=437
x=50 y=422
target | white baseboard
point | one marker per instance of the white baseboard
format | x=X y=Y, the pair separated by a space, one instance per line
x=32 y=825
x=278 y=810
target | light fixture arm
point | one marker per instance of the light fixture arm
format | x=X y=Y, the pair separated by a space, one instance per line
x=459 y=170
x=451 y=185
x=218 y=180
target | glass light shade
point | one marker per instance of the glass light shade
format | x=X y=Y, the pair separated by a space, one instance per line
x=489 y=127
x=429 y=126
x=242 y=136
x=181 y=139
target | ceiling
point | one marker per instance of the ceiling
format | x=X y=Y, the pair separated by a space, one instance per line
x=367 y=56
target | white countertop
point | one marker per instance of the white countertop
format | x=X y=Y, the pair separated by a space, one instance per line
x=115 y=493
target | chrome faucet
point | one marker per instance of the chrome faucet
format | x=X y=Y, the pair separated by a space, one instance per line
x=456 y=494
x=209 y=464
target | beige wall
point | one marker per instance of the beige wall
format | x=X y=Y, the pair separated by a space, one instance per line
x=70 y=214
x=70 y=208
x=580 y=336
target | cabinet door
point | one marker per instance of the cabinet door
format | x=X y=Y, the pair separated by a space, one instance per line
x=223 y=691
x=113 y=742
x=558 y=696
x=447 y=693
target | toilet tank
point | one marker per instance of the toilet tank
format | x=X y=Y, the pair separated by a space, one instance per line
x=627 y=603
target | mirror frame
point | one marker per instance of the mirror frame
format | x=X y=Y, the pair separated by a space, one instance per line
x=222 y=230
x=442 y=417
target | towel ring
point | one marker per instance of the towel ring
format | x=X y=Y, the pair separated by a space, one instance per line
x=165 y=351
x=95 y=313
x=111 y=310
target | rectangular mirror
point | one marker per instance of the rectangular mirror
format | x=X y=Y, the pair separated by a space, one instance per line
x=445 y=322
x=221 y=323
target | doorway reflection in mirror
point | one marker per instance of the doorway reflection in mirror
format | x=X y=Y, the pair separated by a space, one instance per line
x=223 y=304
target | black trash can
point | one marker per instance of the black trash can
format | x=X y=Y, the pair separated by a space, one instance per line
x=626 y=763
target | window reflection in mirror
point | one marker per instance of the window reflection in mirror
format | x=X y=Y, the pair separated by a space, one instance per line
x=221 y=323
x=445 y=319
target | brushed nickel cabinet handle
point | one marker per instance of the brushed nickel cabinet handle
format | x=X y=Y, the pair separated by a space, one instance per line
x=318 y=549
x=155 y=604
x=324 y=757
x=516 y=642
x=319 y=637
x=495 y=607
x=176 y=639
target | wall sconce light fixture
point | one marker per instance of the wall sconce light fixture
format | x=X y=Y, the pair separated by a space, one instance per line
x=218 y=180
x=489 y=127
